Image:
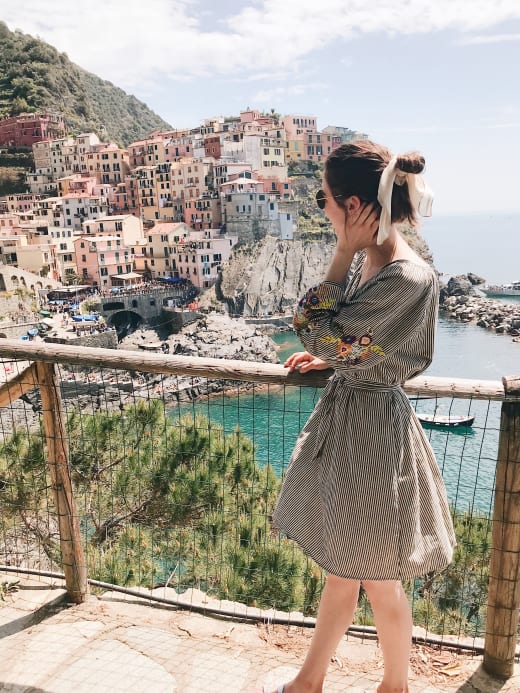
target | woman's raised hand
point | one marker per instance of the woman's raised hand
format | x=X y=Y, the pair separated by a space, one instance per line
x=360 y=228
x=303 y=361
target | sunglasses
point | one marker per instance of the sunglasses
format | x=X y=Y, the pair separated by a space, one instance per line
x=321 y=198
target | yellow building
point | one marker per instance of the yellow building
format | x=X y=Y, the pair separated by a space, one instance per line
x=148 y=152
x=36 y=258
x=109 y=164
x=164 y=189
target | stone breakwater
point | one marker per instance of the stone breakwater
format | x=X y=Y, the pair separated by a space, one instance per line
x=461 y=301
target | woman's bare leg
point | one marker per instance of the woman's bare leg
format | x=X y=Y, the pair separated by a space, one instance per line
x=393 y=620
x=335 y=614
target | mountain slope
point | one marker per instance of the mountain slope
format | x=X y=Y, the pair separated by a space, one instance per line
x=35 y=76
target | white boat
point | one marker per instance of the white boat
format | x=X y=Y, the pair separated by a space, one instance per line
x=446 y=420
x=512 y=289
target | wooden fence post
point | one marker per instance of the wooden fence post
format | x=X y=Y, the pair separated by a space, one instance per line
x=504 y=573
x=72 y=555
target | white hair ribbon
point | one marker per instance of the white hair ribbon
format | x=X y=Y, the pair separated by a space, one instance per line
x=421 y=196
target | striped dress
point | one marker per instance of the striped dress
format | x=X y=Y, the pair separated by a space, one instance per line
x=363 y=495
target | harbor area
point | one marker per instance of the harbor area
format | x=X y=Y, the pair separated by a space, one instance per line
x=115 y=642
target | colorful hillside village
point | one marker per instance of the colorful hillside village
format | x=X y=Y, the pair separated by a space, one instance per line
x=173 y=205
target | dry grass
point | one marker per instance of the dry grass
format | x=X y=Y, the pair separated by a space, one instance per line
x=428 y=663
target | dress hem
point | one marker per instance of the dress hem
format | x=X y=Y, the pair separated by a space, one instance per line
x=433 y=566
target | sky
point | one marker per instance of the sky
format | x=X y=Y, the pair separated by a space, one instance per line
x=438 y=76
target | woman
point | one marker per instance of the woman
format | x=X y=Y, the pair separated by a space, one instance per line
x=363 y=495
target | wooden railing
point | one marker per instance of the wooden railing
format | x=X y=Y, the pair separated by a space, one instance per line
x=504 y=583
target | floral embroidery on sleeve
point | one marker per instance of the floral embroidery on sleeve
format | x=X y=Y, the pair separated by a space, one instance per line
x=353 y=350
x=324 y=297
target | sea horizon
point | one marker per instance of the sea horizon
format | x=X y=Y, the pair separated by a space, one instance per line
x=486 y=244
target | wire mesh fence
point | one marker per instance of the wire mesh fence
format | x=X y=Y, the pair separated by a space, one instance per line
x=175 y=479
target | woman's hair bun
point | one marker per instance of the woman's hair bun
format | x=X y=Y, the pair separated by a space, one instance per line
x=413 y=162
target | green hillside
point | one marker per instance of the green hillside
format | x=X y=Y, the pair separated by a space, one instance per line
x=35 y=76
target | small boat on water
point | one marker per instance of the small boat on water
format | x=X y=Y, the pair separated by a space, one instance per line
x=512 y=289
x=445 y=420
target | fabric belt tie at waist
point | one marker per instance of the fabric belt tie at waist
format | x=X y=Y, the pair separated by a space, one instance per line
x=356 y=384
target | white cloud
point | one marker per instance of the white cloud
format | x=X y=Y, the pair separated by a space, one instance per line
x=488 y=38
x=277 y=93
x=130 y=41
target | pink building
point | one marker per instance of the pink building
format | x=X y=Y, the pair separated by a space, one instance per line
x=273 y=186
x=20 y=202
x=212 y=146
x=27 y=128
x=101 y=258
x=298 y=125
x=78 y=184
x=203 y=212
x=178 y=147
x=199 y=255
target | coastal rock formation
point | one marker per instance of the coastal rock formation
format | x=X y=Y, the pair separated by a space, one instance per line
x=271 y=276
x=461 y=301
x=213 y=336
x=458 y=286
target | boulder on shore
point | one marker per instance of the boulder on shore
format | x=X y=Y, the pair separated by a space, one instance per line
x=459 y=300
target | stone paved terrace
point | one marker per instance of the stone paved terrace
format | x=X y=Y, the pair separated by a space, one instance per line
x=114 y=643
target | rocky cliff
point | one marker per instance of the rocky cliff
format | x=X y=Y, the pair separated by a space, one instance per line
x=269 y=277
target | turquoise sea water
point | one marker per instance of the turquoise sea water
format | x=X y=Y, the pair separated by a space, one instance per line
x=467 y=458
